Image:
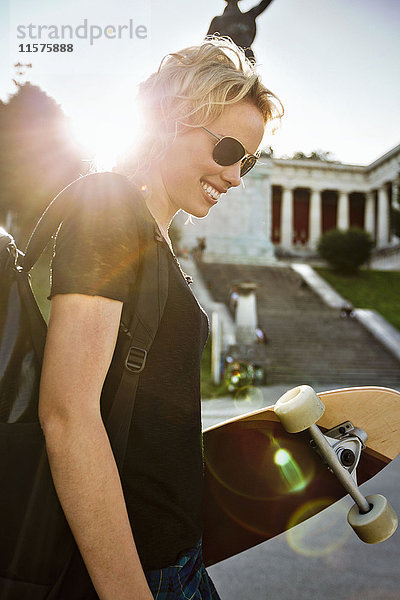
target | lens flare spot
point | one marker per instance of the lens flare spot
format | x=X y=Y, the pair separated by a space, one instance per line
x=252 y=471
x=290 y=472
x=311 y=534
x=282 y=457
x=249 y=397
x=247 y=460
x=238 y=374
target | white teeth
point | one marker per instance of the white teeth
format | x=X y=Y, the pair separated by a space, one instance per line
x=211 y=191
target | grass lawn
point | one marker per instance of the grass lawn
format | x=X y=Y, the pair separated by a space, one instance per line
x=378 y=290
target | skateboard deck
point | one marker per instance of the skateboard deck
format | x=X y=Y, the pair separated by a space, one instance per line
x=257 y=475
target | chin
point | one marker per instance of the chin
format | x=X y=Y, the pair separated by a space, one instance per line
x=200 y=213
x=198 y=210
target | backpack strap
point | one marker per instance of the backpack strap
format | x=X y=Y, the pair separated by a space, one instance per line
x=151 y=297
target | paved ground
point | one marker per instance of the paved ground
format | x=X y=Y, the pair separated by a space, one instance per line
x=321 y=559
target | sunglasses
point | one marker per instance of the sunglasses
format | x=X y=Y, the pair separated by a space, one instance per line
x=228 y=151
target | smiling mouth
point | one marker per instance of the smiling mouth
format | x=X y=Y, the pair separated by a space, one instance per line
x=211 y=192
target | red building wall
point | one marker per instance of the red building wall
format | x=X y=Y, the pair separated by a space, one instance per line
x=329 y=201
x=301 y=211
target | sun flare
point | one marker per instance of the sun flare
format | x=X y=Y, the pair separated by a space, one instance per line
x=104 y=137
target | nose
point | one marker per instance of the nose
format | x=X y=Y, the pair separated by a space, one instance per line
x=231 y=174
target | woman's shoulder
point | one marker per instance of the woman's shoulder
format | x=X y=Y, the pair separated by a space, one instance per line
x=103 y=202
x=105 y=189
x=97 y=246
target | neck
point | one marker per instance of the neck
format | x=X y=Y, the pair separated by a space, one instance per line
x=157 y=200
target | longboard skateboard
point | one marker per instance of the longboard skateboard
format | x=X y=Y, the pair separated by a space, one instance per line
x=261 y=467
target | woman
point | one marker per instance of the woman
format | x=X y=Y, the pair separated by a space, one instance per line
x=140 y=534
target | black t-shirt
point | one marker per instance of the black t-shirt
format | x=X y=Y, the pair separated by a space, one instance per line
x=95 y=253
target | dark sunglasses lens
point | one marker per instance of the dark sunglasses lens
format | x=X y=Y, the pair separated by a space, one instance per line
x=228 y=151
x=247 y=164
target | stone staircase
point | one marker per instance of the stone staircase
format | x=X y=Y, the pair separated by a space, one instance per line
x=308 y=342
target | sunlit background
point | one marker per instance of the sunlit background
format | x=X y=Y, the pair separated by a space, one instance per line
x=334 y=63
x=103 y=137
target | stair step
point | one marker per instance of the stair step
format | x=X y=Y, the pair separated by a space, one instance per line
x=306 y=338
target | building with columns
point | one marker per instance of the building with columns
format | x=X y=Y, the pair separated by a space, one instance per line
x=285 y=205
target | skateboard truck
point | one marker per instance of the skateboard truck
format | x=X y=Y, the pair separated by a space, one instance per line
x=372 y=517
x=336 y=456
x=348 y=442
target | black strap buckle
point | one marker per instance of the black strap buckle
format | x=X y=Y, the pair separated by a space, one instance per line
x=136 y=359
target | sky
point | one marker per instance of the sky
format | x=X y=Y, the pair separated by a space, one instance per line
x=333 y=63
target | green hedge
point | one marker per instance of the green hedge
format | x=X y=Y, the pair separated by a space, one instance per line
x=347 y=250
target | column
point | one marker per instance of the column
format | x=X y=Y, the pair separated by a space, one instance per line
x=343 y=211
x=369 y=218
x=383 y=218
x=264 y=215
x=268 y=211
x=246 y=313
x=287 y=218
x=256 y=241
x=396 y=192
x=315 y=217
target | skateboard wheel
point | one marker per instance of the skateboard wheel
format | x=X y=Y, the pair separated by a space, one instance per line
x=299 y=408
x=378 y=524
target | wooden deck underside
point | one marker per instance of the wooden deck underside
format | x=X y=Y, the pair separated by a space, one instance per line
x=260 y=480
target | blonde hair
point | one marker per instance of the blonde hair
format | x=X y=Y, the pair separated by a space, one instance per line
x=191 y=88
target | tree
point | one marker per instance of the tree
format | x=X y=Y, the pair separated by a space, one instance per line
x=37 y=158
x=315 y=155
